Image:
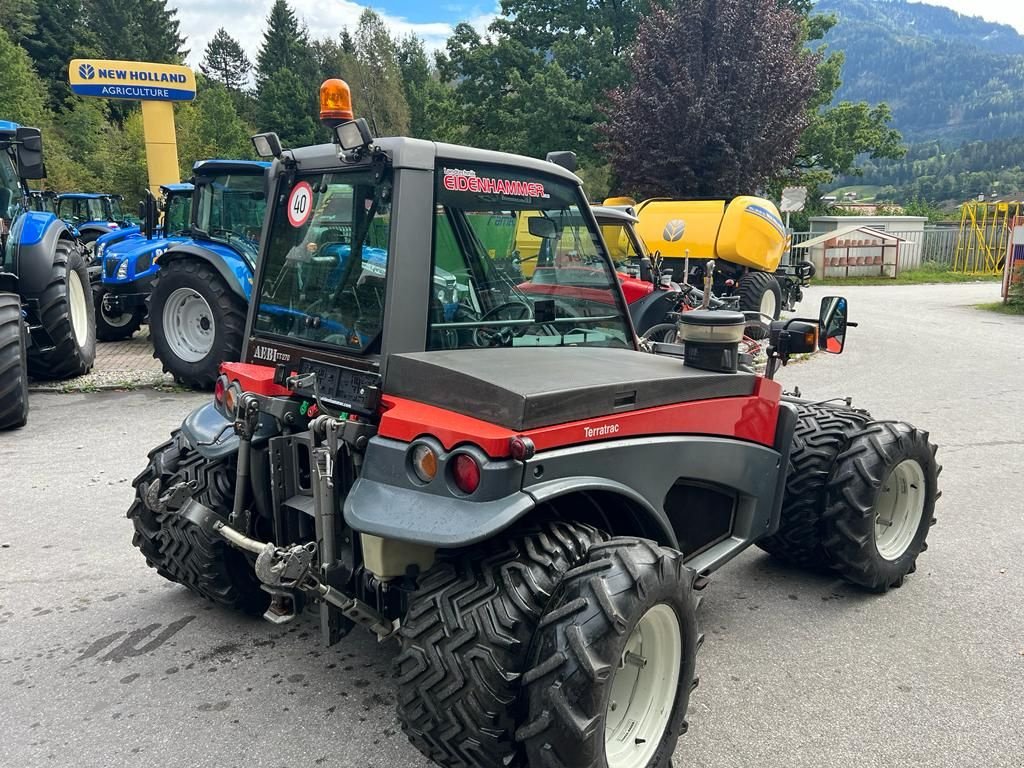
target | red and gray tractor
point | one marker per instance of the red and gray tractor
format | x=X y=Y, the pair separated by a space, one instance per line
x=492 y=473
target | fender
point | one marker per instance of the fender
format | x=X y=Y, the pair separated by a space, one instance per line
x=34 y=237
x=232 y=266
x=653 y=309
x=212 y=435
x=98 y=229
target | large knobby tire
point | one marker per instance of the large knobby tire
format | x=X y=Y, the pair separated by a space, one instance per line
x=465 y=641
x=116 y=327
x=13 y=364
x=196 y=322
x=822 y=432
x=612 y=665
x=881 y=504
x=760 y=292
x=181 y=551
x=67 y=315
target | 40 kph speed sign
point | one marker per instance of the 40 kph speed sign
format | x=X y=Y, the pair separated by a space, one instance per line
x=300 y=204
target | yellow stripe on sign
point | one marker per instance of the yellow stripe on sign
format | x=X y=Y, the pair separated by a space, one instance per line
x=134 y=80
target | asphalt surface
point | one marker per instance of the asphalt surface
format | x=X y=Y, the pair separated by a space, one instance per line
x=103 y=663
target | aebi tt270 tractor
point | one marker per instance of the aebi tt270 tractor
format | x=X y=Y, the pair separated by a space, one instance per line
x=499 y=479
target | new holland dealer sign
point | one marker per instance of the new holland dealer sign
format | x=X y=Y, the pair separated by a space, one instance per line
x=136 y=80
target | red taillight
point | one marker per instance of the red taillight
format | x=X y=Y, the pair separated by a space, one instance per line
x=219 y=387
x=521 y=448
x=465 y=473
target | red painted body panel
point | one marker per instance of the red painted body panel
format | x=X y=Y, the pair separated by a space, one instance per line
x=750 y=418
x=254 y=378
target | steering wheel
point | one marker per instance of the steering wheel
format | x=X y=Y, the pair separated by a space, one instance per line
x=493 y=337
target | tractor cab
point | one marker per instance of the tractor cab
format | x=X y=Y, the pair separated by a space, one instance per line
x=91 y=214
x=44 y=201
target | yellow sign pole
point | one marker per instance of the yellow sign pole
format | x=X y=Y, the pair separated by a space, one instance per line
x=157 y=86
x=161 y=144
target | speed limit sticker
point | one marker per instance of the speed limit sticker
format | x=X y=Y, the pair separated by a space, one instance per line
x=300 y=204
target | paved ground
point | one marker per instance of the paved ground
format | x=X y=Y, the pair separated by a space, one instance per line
x=127 y=364
x=104 y=664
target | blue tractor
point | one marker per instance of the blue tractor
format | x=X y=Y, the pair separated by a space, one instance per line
x=201 y=278
x=47 y=327
x=126 y=259
x=42 y=200
x=92 y=214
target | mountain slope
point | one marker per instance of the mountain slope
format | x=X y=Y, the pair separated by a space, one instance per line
x=946 y=76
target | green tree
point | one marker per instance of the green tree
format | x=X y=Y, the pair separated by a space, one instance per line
x=57 y=35
x=717 y=100
x=18 y=18
x=22 y=93
x=287 y=74
x=375 y=77
x=146 y=30
x=433 y=110
x=126 y=171
x=225 y=62
x=210 y=127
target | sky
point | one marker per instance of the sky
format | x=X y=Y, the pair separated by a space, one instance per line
x=431 y=21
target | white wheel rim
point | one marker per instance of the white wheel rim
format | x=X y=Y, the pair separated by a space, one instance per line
x=643 y=689
x=768 y=303
x=899 y=509
x=77 y=309
x=189 y=328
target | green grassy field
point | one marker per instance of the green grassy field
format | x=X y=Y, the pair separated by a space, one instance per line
x=928 y=272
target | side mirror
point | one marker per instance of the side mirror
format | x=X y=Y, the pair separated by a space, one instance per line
x=29 y=143
x=148 y=214
x=566 y=159
x=542 y=227
x=832 y=322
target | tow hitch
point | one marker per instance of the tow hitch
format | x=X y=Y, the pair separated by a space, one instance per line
x=285 y=571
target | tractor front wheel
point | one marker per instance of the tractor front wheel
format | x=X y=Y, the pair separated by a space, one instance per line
x=881 y=502
x=465 y=643
x=67 y=315
x=612 y=665
x=13 y=364
x=196 y=321
x=177 y=548
x=760 y=292
x=116 y=326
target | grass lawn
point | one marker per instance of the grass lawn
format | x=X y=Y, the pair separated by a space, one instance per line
x=1015 y=308
x=929 y=272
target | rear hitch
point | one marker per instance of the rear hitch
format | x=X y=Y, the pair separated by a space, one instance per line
x=287 y=572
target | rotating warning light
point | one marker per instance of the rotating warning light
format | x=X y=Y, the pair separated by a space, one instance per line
x=335 y=102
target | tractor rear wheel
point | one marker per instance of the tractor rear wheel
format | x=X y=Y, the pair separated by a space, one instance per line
x=178 y=549
x=612 y=665
x=113 y=326
x=67 y=315
x=13 y=364
x=196 y=322
x=821 y=434
x=760 y=292
x=881 y=502
x=465 y=643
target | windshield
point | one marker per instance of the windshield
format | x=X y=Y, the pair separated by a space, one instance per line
x=622 y=247
x=231 y=208
x=326 y=261
x=10 y=187
x=516 y=263
x=178 y=214
x=116 y=214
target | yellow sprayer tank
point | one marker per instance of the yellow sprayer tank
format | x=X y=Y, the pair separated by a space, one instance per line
x=745 y=230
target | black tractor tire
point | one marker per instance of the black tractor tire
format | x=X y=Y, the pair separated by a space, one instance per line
x=225 y=315
x=822 y=432
x=74 y=341
x=116 y=327
x=885 y=463
x=588 y=637
x=465 y=642
x=178 y=549
x=752 y=289
x=13 y=364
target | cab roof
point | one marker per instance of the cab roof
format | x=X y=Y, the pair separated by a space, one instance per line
x=422 y=155
x=8 y=127
x=229 y=166
x=613 y=214
x=183 y=186
x=84 y=195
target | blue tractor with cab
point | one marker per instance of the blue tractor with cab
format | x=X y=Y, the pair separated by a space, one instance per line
x=92 y=214
x=198 y=279
x=47 y=327
x=127 y=262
